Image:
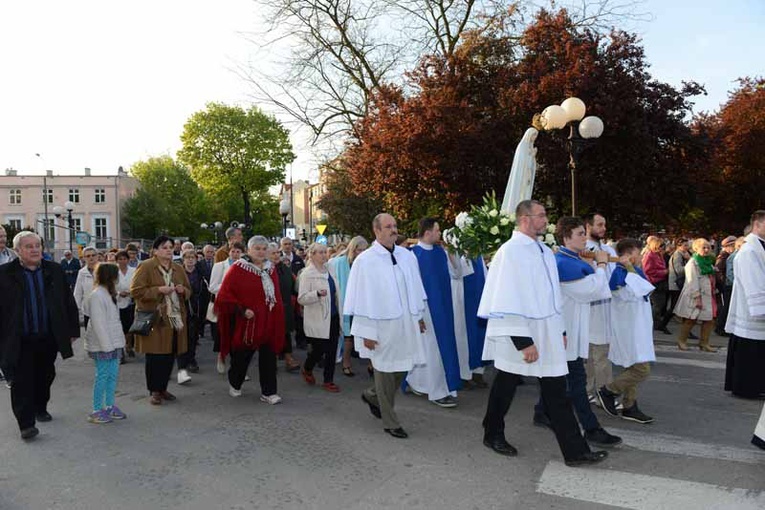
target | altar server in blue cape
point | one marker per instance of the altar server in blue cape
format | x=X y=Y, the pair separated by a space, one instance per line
x=468 y=278
x=581 y=284
x=632 y=346
x=525 y=336
x=440 y=377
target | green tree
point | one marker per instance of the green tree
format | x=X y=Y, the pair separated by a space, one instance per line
x=168 y=201
x=232 y=150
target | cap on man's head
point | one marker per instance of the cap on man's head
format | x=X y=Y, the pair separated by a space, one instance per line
x=729 y=241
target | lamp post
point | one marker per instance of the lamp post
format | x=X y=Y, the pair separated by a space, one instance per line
x=583 y=131
x=58 y=211
x=215 y=227
x=284 y=209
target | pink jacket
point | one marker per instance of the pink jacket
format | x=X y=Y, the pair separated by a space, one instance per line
x=654 y=267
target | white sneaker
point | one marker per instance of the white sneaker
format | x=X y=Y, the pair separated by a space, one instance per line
x=235 y=392
x=271 y=399
x=221 y=366
x=246 y=377
x=183 y=376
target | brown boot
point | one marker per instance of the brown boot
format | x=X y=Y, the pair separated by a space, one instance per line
x=706 y=331
x=682 y=334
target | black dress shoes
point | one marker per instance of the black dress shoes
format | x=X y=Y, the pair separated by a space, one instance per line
x=29 y=433
x=373 y=408
x=43 y=416
x=500 y=446
x=399 y=433
x=587 y=458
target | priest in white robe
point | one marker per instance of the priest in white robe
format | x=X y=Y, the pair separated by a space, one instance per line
x=581 y=284
x=745 y=371
x=526 y=336
x=386 y=299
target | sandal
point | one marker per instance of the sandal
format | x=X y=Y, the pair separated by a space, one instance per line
x=293 y=367
x=348 y=372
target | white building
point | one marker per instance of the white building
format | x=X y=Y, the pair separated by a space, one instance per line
x=97 y=201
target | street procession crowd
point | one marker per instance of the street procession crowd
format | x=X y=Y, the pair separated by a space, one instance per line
x=428 y=321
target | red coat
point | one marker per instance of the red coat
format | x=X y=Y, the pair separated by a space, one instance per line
x=242 y=289
x=654 y=267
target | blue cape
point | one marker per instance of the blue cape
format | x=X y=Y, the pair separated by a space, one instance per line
x=571 y=267
x=434 y=269
x=476 y=327
x=619 y=278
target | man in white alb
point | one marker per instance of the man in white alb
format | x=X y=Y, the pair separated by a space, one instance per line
x=525 y=336
x=386 y=298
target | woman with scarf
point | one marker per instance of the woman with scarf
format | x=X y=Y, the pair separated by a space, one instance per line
x=697 y=298
x=251 y=318
x=288 y=290
x=162 y=286
x=187 y=362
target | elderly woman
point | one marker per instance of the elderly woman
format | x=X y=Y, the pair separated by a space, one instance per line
x=287 y=286
x=251 y=318
x=340 y=269
x=317 y=292
x=187 y=362
x=655 y=269
x=235 y=250
x=696 y=301
x=161 y=286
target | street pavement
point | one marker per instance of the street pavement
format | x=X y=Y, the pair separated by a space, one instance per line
x=318 y=450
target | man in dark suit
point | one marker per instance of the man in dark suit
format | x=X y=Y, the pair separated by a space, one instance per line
x=71 y=266
x=205 y=269
x=38 y=319
x=295 y=262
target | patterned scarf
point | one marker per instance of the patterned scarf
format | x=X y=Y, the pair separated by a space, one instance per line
x=706 y=264
x=265 y=277
x=171 y=303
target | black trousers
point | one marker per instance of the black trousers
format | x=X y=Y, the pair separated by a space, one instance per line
x=215 y=336
x=557 y=405
x=190 y=356
x=722 y=311
x=32 y=379
x=326 y=349
x=674 y=295
x=240 y=361
x=159 y=367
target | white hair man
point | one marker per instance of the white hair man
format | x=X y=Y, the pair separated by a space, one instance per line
x=38 y=319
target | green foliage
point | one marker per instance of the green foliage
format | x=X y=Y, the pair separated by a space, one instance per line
x=235 y=152
x=168 y=201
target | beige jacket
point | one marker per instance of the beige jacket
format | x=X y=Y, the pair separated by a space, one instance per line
x=696 y=285
x=316 y=309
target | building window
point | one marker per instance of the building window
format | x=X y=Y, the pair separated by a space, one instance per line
x=74 y=195
x=100 y=196
x=15 y=223
x=15 y=195
x=77 y=224
x=49 y=231
x=100 y=228
x=48 y=195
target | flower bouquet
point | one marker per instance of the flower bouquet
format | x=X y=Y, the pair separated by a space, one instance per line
x=483 y=229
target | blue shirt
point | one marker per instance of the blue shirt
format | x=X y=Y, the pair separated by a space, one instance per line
x=35 y=308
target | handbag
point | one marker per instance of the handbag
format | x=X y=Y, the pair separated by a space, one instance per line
x=143 y=322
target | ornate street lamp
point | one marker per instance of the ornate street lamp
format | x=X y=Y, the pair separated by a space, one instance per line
x=58 y=211
x=284 y=209
x=215 y=227
x=583 y=131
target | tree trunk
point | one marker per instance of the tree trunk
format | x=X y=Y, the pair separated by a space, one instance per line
x=246 y=199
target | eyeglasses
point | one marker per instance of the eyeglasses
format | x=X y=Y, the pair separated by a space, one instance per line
x=540 y=215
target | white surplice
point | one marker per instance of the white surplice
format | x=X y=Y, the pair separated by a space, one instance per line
x=459 y=268
x=633 y=323
x=746 y=316
x=522 y=298
x=386 y=302
x=759 y=430
x=601 y=320
x=577 y=296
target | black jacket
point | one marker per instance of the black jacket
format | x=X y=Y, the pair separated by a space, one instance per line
x=62 y=311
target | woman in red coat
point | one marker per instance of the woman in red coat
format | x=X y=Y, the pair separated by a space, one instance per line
x=656 y=272
x=251 y=318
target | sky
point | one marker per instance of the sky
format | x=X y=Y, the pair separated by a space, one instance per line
x=103 y=84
